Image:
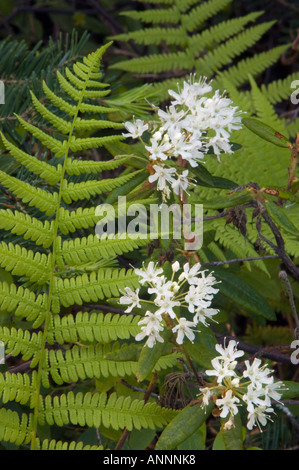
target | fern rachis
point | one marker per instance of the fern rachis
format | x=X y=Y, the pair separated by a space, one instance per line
x=54 y=278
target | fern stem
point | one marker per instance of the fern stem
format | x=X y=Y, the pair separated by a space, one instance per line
x=48 y=315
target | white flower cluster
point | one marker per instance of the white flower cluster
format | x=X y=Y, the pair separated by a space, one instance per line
x=191 y=125
x=169 y=296
x=255 y=387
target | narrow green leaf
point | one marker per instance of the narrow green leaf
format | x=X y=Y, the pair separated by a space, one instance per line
x=205 y=178
x=236 y=289
x=233 y=438
x=187 y=422
x=291 y=390
x=231 y=200
x=195 y=442
x=266 y=132
x=279 y=216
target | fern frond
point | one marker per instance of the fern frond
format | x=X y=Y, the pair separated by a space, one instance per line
x=92 y=287
x=50 y=173
x=23 y=302
x=55 y=145
x=220 y=32
x=148 y=36
x=93 y=327
x=82 y=250
x=238 y=74
x=230 y=238
x=50 y=276
x=292 y=128
x=279 y=90
x=263 y=107
x=22 y=262
x=156 y=63
x=31 y=228
x=78 y=144
x=224 y=53
x=80 y=363
x=18 y=387
x=59 y=102
x=96 y=124
x=47 y=444
x=70 y=221
x=201 y=13
x=78 y=191
x=161 y=16
x=96 y=409
x=89 y=362
x=61 y=124
x=78 y=167
x=22 y=342
x=14 y=428
x=83 y=77
x=75 y=93
x=37 y=197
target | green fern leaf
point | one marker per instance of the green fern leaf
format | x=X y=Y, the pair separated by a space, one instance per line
x=23 y=303
x=96 y=409
x=48 y=172
x=37 y=197
x=18 y=387
x=90 y=288
x=31 y=228
x=14 y=428
x=78 y=167
x=77 y=191
x=93 y=327
x=82 y=250
x=22 y=342
x=22 y=262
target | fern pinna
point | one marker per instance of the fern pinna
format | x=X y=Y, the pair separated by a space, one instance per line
x=58 y=347
x=180 y=36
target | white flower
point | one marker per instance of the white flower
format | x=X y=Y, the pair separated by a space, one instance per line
x=258 y=374
x=158 y=151
x=222 y=369
x=175 y=266
x=184 y=329
x=204 y=314
x=196 y=298
x=274 y=390
x=188 y=149
x=131 y=298
x=190 y=92
x=161 y=288
x=228 y=404
x=206 y=395
x=205 y=283
x=149 y=274
x=163 y=176
x=135 y=128
x=253 y=398
x=166 y=306
x=190 y=273
x=170 y=118
x=229 y=353
x=220 y=145
x=258 y=416
x=152 y=327
x=181 y=184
